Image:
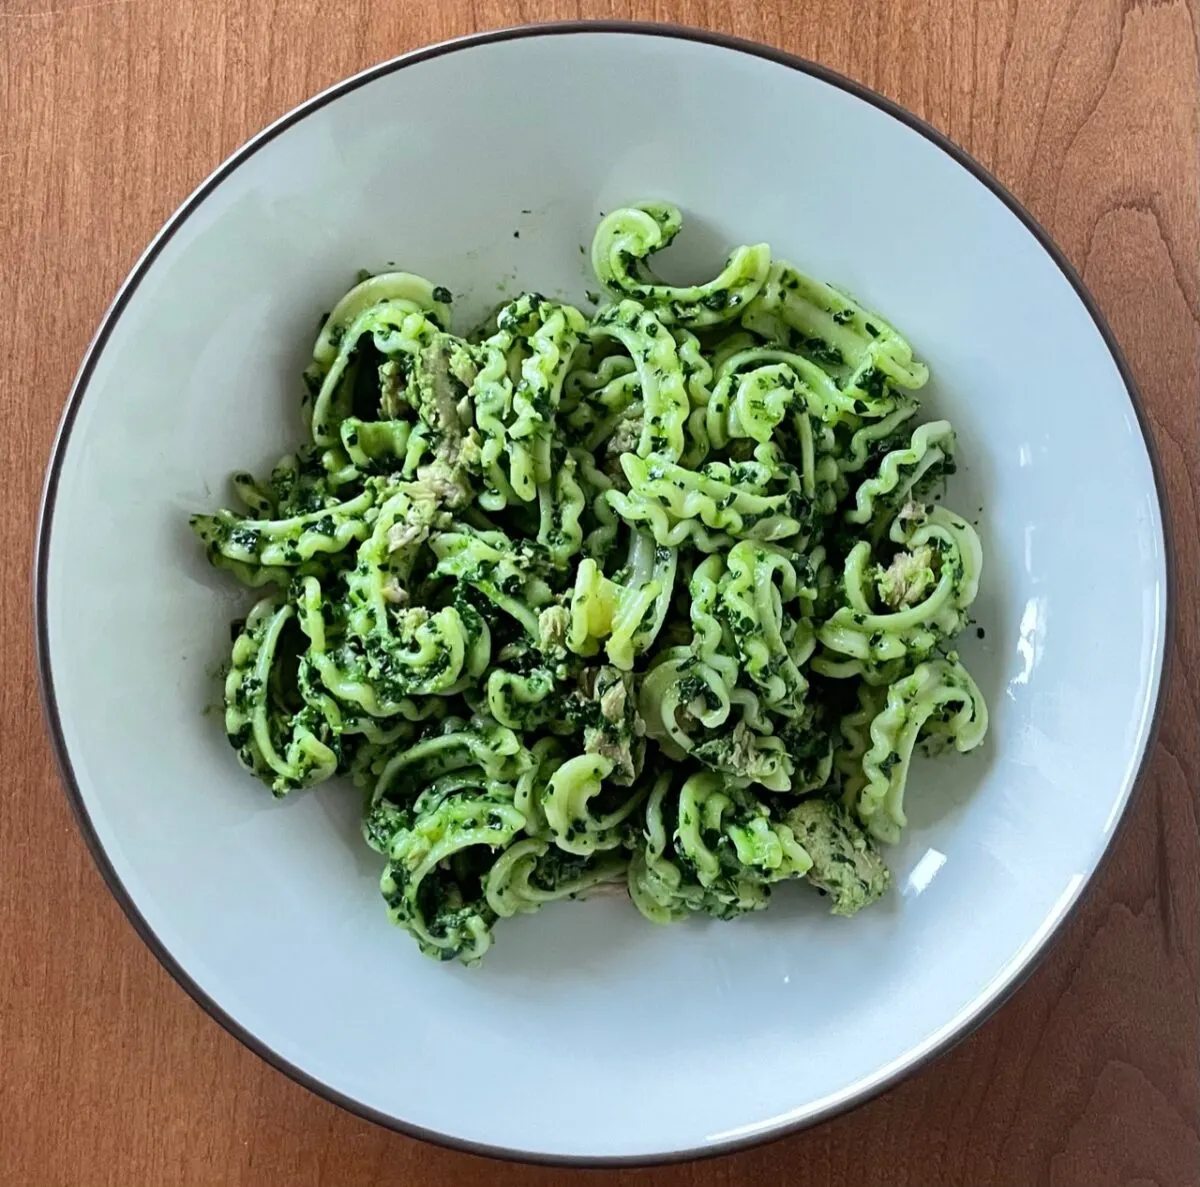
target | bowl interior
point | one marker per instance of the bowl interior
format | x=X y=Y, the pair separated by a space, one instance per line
x=589 y=1032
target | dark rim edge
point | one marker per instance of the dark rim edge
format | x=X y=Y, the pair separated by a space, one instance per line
x=79 y=388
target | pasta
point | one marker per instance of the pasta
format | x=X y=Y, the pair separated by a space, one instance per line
x=662 y=598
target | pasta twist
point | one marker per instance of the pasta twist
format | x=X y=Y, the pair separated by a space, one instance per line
x=698 y=377
x=434 y=881
x=503 y=572
x=286 y=748
x=821 y=394
x=903 y=475
x=859 y=348
x=711 y=847
x=398 y=329
x=454 y=745
x=531 y=873
x=855 y=728
x=939 y=696
x=749 y=404
x=561 y=504
x=517 y=391
x=626 y=238
x=660 y=375
x=285 y=543
x=583 y=815
x=411 y=653
x=757 y=586
x=626 y=611
x=926 y=590
x=759 y=499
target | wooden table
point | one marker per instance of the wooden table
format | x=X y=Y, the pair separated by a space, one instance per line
x=113 y=110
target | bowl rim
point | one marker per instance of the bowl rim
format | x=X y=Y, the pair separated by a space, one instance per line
x=986 y=1005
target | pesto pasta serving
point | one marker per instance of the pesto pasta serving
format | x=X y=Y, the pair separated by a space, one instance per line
x=659 y=597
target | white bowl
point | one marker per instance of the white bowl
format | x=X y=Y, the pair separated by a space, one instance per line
x=588 y=1033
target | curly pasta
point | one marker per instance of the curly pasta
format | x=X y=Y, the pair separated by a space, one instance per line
x=656 y=599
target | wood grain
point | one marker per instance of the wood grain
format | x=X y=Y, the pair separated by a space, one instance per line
x=112 y=110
